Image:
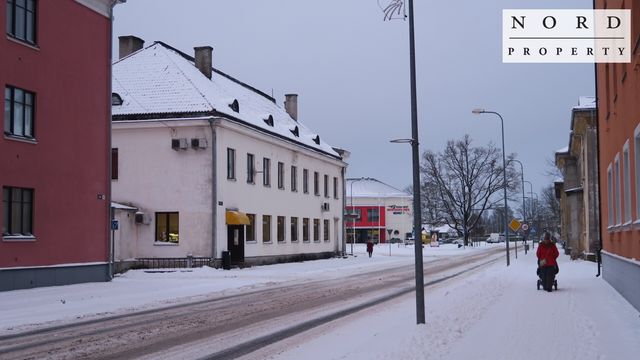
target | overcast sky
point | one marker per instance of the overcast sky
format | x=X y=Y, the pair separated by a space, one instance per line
x=351 y=71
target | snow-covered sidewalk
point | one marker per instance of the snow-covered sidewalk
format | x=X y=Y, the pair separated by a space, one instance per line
x=495 y=313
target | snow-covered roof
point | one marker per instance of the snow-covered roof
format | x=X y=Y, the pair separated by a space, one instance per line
x=162 y=81
x=586 y=103
x=370 y=187
x=562 y=150
x=441 y=229
x=116 y=205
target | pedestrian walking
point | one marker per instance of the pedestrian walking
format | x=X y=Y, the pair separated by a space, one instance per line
x=370 y=247
x=547 y=254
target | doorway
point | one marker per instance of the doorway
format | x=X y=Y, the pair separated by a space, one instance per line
x=235 y=243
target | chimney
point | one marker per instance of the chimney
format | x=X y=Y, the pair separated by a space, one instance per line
x=129 y=44
x=203 y=59
x=291 y=105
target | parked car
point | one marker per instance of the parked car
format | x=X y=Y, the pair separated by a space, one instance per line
x=495 y=238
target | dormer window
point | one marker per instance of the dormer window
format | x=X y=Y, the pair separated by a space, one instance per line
x=116 y=99
x=269 y=120
x=295 y=131
x=317 y=139
x=235 y=106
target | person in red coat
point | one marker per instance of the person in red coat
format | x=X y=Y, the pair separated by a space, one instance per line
x=547 y=254
x=370 y=247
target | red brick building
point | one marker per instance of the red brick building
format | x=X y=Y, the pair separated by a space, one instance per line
x=54 y=153
x=618 y=90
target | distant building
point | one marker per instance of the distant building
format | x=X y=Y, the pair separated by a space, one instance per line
x=382 y=212
x=578 y=192
x=54 y=164
x=619 y=163
x=208 y=165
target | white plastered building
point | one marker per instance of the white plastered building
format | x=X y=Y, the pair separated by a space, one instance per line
x=206 y=164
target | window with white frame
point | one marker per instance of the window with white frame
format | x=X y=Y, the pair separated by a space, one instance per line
x=266 y=228
x=21 y=20
x=231 y=164
x=305 y=181
x=266 y=172
x=636 y=163
x=618 y=195
x=294 y=178
x=280 y=228
x=251 y=228
x=610 y=195
x=251 y=171
x=626 y=168
x=280 y=175
x=294 y=229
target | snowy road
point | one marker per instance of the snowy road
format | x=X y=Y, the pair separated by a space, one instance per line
x=231 y=325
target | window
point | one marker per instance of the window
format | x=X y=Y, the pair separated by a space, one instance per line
x=305 y=181
x=231 y=164
x=316 y=230
x=636 y=158
x=21 y=20
x=114 y=164
x=335 y=187
x=294 y=229
x=17 y=211
x=326 y=230
x=280 y=223
x=266 y=228
x=616 y=176
x=294 y=178
x=610 y=195
x=326 y=186
x=627 y=183
x=251 y=228
x=251 y=171
x=373 y=215
x=19 y=112
x=266 y=172
x=280 y=175
x=167 y=229
x=305 y=229
x=316 y=185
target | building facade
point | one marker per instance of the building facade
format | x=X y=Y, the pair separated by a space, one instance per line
x=579 y=203
x=209 y=166
x=54 y=163
x=619 y=162
x=381 y=212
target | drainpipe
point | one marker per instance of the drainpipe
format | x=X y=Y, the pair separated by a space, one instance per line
x=214 y=193
x=595 y=71
x=344 y=207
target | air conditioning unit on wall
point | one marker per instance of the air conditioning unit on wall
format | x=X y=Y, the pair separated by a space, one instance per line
x=179 y=144
x=325 y=206
x=142 y=218
x=198 y=143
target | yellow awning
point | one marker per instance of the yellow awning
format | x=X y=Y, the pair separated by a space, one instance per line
x=237 y=218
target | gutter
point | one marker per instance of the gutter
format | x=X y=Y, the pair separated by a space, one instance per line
x=214 y=193
x=597 y=112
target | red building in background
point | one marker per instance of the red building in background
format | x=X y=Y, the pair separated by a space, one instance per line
x=618 y=89
x=54 y=154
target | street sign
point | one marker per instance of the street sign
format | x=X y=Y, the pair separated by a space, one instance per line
x=514 y=225
x=114 y=224
x=525 y=227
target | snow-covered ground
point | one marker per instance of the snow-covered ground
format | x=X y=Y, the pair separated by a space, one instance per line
x=494 y=313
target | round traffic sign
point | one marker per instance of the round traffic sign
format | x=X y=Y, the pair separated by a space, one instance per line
x=525 y=227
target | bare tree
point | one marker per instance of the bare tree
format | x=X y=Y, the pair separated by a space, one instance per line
x=460 y=183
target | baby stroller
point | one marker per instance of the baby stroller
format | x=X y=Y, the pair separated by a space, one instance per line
x=555 y=281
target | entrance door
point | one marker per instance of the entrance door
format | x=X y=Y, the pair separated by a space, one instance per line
x=235 y=243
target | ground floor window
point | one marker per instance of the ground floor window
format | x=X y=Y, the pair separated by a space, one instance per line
x=266 y=228
x=280 y=224
x=167 y=227
x=316 y=230
x=294 y=229
x=305 y=229
x=17 y=211
x=326 y=230
x=251 y=228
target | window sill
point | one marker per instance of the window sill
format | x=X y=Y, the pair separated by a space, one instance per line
x=161 y=243
x=232 y=179
x=251 y=242
x=23 y=42
x=27 y=140
x=267 y=242
x=282 y=242
x=18 y=238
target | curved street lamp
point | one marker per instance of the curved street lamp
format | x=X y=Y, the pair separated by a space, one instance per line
x=504 y=175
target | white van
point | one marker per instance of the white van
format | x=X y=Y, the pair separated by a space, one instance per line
x=495 y=238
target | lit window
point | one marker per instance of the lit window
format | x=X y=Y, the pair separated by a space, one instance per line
x=167 y=227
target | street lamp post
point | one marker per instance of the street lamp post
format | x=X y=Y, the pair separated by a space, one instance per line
x=352 y=215
x=417 y=212
x=504 y=175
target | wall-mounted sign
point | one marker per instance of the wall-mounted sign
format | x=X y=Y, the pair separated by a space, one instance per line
x=399 y=209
